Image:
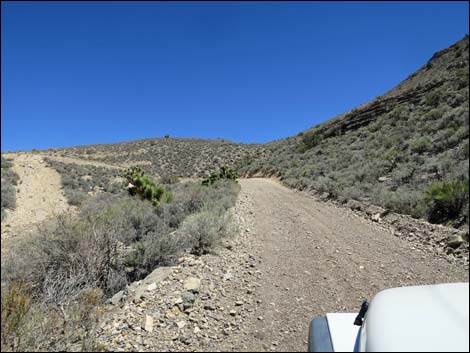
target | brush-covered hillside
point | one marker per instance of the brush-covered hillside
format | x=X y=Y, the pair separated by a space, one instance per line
x=407 y=150
x=167 y=156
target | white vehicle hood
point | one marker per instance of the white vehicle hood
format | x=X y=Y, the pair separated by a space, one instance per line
x=419 y=318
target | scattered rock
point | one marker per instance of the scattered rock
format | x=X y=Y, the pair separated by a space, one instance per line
x=228 y=276
x=181 y=324
x=116 y=298
x=383 y=179
x=147 y=323
x=151 y=287
x=192 y=284
x=376 y=217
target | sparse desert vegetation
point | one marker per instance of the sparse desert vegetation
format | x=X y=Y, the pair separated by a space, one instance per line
x=54 y=281
x=9 y=181
x=80 y=182
x=392 y=151
x=161 y=157
x=406 y=151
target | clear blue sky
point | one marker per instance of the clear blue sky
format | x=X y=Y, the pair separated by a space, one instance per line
x=78 y=73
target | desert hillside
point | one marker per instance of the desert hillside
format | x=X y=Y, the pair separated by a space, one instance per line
x=398 y=151
x=173 y=244
x=167 y=156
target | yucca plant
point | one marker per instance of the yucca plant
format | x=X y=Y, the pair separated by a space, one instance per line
x=223 y=173
x=145 y=187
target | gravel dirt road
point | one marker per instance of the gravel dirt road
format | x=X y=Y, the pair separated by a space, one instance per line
x=316 y=258
x=294 y=258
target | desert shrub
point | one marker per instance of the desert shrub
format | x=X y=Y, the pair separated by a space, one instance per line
x=224 y=173
x=309 y=140
x=9 y=180
x=403 y=173
x=141 y=185
x=433 y=114
x=405 y=201
x=8 y=198
x=205 y=229
x=328 y=185
x=194 y=209
x=421 y=144
x=28 y=325
x=169 y=179
x=70 y=254
x=447 y=200
x=75 y=197
x=393 y=155
x=432 y=99
x=16 y=304
x=78 y=180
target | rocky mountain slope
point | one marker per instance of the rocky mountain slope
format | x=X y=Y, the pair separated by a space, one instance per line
x=391 y=151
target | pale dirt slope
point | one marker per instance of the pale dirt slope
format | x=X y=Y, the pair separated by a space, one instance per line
x=38 y=196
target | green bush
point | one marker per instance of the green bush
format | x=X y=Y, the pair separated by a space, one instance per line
x=446 y=201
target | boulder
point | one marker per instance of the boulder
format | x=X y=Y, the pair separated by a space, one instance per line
x=454 y=241
x=354 y=205
x=139 y=288
x=116 y=298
